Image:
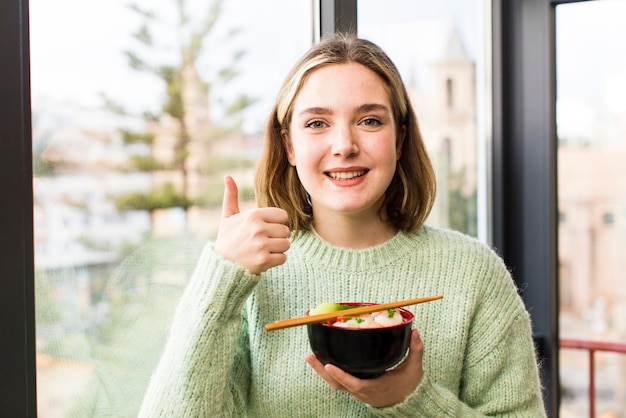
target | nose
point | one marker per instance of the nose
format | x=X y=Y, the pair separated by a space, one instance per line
x=344 y=141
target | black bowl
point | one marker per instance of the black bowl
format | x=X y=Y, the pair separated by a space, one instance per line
x=364 y=353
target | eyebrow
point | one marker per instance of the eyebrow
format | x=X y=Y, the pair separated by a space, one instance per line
x=371 y=107
x=316 y=111
x=367 y=107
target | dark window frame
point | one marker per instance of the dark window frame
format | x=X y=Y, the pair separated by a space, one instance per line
x=17 y=310
x=524 y=172
x=525 y=207
x=337 y=16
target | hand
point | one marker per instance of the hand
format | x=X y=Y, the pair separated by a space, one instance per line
x=386 y=390
x=256 y=239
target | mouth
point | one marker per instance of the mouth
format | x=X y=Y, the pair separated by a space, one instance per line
x=345 y=175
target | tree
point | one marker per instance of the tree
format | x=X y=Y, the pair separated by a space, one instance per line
x=183 y=122
x=463 y=210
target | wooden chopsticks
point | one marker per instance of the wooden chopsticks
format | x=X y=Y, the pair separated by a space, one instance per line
x=304 y=320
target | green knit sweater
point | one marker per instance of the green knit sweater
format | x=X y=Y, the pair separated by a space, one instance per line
x=220 y=361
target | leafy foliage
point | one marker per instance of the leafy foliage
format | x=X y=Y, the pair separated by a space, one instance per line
x=146 y=163
x=171 y=64
x=463 y=210
x=222 y=164
x=214 y=195
x=131 y=137
x=158 y=198
x=41 y=166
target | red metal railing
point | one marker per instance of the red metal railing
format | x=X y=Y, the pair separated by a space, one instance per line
x=592 y=347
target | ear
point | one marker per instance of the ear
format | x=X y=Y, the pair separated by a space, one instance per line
x=284 y=135
x=400 y=141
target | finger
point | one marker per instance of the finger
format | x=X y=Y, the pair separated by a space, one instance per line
x=277 y=230
x=274 y=216
x=278 y=245
x=321 y=370
x=276 y=259
x=416 y=344
x=230 y=204
x=416 y=351
x=264 y=263
x=345 y=380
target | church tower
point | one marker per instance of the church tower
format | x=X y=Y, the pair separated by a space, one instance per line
x=452 y=128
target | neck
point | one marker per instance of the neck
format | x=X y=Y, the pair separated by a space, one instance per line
x=357 y=235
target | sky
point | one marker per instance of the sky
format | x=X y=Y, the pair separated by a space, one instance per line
x=591 y=71
x=77 y=46
x=590 y=50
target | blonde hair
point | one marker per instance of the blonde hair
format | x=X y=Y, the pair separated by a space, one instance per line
x=411 y=193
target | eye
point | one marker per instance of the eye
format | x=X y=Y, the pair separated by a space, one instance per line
x=316 y=124
x=371 y=121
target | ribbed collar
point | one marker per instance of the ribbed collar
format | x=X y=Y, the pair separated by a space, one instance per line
x=321 y=253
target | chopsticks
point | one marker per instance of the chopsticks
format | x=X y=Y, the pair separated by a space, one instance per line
x=304 y=320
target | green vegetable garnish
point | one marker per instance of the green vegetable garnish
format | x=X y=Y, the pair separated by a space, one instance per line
x=328 y=307
x=342 y=307
x=325 y=307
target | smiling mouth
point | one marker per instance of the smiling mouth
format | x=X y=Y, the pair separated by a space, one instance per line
x=346 y=175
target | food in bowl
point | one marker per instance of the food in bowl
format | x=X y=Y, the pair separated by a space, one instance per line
x=385 y=318
x=363 y=346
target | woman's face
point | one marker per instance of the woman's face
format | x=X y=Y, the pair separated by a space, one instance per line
x=342 y=140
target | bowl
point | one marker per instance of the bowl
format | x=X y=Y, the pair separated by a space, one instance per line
x=363 y=352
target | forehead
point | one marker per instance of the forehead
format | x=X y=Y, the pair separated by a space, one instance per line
x=338 y=85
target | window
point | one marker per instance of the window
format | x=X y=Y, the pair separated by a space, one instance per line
x=437 y=47
x=449 y=93
x=591 y=125
x=134 y=125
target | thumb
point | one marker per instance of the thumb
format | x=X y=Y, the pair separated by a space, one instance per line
x=416 y=351
x=230 y=204
x=416 y=345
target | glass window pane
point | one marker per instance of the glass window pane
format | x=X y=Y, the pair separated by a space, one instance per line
x=591 y=126
x=438 y=48
x=139 y=108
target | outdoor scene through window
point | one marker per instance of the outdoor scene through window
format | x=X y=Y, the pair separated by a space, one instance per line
x=139 y=109
x=591 y=127
x=436 y=46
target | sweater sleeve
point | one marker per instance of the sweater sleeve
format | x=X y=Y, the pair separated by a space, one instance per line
x=504 y=384
x=196 y=376
x=500 y=374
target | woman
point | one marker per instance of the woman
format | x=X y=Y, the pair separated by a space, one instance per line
x=344 y=186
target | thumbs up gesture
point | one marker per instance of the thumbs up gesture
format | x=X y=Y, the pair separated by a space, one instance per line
x=256 y=239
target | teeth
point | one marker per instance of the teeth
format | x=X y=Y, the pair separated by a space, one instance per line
x=346 y=175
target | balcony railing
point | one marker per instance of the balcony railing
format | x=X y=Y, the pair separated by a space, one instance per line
x=592 y=347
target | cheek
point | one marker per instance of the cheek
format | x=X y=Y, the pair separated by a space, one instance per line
x=303 y=154
x=387 y=151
